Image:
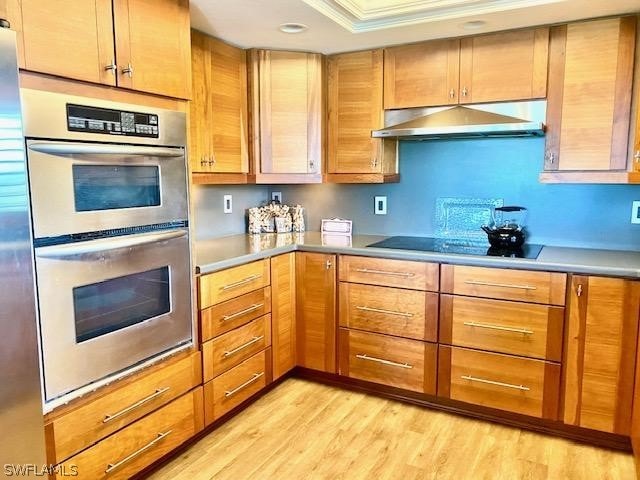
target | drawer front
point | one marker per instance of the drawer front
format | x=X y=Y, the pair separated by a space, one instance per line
x=393 y=311
x=140 y=444
x=520 y=385
x=230 y=389
x=232 y=348
x=525 y=329
x=397 y=362
x=230 y=283
x=233 y=313
x=520 y=285
x=389 y=273
x=138 y=396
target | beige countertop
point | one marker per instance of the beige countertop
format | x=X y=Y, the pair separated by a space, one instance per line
x=224 y=252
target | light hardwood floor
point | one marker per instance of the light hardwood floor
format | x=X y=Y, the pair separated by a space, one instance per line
x=304 y=430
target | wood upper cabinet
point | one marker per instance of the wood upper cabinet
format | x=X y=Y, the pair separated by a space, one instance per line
x=601 y=353
x=70 y=38
x=316 y=311
x=287 y=116
x=152 y=46
x=137 y=44
x=283 y=317
x=354 y=108
x=487 y=68
x=589 y=100
x=218 y=128
x=10 y=11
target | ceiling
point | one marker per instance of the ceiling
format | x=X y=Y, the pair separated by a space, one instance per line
x=347 y=25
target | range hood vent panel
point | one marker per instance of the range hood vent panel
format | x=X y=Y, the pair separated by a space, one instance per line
x=490 y=120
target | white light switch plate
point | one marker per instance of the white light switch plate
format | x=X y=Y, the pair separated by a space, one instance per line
x=380 y=207
x=635 y=212
x=228 y=204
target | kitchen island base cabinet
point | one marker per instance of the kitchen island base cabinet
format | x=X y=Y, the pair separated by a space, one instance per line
x=601 y=353
x=137 y=446
x=316 y=320
x=505 y=382
x=393 y=361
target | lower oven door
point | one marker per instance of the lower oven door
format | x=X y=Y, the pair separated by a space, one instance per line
x=108 y=304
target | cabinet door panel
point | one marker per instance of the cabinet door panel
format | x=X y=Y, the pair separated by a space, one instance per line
x=153 y=36
x=69 y=38
x=422 y=74
x=589 y=100
x=504 y=66
x=601 y=347
x=283 y=321
x=316 y=311
x=200 y=119
x=354 y=100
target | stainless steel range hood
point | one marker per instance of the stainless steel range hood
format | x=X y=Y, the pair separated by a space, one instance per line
x=513 y=119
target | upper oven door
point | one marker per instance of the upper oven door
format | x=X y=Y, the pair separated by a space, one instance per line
x=89 y=187
x=108 y=304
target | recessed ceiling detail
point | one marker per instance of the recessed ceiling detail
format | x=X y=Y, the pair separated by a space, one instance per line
x=368 y=15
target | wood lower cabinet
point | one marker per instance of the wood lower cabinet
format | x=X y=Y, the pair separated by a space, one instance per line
x=354 y=108
x=486 y=68
x=390 y=273
x=227 y=391
x=589 y=101
x=505 y=382
x=136 y=44
x=137 y=446
x=218 y=122
x=397 y=362
x=230 y=283
x=316 y=311
x=601 y=353
x=283 y=318
x=73 y=428
x=287 y=116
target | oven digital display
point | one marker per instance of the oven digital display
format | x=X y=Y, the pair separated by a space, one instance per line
x=111 y=122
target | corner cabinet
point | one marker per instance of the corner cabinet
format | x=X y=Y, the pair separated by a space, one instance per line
x=486 y=68
x=218 y=124
x=354 y=108
x=316 y=320
x=589 y=102
x=287 y=126
x=136 y=44
x=601 y=353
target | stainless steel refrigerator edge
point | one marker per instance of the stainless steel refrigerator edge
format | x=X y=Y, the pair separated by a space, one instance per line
x=21 y=421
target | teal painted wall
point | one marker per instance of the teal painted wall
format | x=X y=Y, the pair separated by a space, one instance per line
x=595 y=216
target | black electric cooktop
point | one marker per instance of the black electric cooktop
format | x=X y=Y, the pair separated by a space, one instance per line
x=465 y=247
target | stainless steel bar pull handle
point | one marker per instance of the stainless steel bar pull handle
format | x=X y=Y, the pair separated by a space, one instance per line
x=253 y=307
x=502 y=285
x=241 y=282
x=493 y=382
x=112 y=67
x=253 y=378
x=112 y=466
x=524 y=331
x=128 y=70
x=55 y=148
x=138 y=404
x=384 y=272
x=228 y=353
x=363 y=356
x=386 y=312
x=106 y=244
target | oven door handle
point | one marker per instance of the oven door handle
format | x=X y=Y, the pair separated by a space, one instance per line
x=59 y=148
x=106 y=244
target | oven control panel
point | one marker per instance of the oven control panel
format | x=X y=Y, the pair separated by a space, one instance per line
x=111 y=122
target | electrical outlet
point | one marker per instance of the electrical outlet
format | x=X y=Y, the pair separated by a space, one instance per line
x=228 y=204
x=380 y=207
x=276 y=196
x=635 y=212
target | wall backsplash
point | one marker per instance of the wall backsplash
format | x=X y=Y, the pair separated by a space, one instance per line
x=595 y=216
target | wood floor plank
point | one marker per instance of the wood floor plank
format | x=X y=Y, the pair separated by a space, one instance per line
x=303 y=430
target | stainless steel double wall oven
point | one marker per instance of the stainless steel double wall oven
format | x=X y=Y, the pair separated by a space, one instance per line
x=110 y=222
